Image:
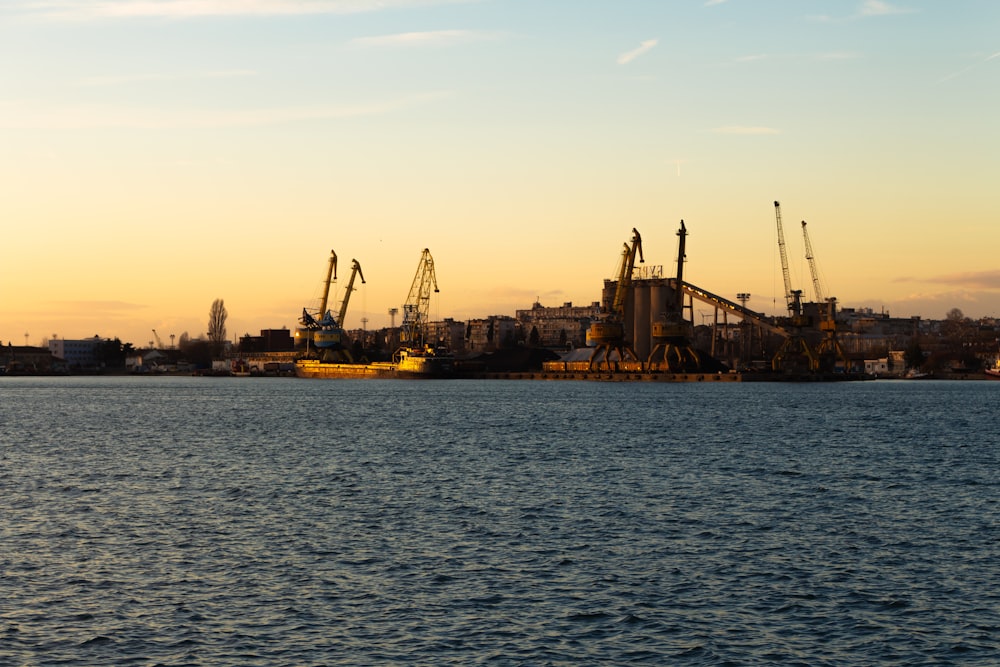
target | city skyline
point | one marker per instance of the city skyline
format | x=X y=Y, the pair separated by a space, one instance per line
x=160 y=155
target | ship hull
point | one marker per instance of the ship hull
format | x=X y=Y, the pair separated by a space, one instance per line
x=406 y=369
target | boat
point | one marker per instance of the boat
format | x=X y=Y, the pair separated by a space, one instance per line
x=427 y=361
x=994 y=372
x=239 y=368
x=407 y=363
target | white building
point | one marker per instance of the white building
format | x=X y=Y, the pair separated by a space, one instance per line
x=77 y=353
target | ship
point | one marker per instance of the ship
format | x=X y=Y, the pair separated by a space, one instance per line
x=406 y=364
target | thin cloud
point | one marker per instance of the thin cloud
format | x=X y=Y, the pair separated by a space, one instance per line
x=420 y=39
x=969 y=280
x=989 y=280
x=743 y=129
x=181 y=9
x=880 y=8
x=21 y=116
x=867 y=9
x=123 y=79
x=712 y=3
x=96 y=306
x=643 y=48
x=955 y=75
x=825 y=57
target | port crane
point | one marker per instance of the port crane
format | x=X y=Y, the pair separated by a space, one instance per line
x=310 y=321
x=355 y=273
x=159 y=343
x=829 y=352
x=330 y=337
x=795 y=353
x=417 y=307
x=812 y=265
x=607 y=335
x=672 y=334
x=792 y=297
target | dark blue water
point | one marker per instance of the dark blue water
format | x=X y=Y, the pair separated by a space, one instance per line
x=198 y=521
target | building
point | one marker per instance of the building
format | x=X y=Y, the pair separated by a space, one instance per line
x=26 y=359
x=269 y=340
x=559 y=326
x=491 y=333
x=77 y=353
x=447 y=333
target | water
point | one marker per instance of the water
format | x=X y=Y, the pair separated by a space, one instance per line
x=222 y=521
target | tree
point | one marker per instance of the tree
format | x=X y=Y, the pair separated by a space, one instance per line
x=110 y=353
x=534 y=338
x=913 y=356
x=217 y=326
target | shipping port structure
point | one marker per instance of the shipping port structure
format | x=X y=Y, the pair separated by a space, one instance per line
x=641 y=329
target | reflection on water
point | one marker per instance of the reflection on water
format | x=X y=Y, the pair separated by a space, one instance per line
x=286 y=522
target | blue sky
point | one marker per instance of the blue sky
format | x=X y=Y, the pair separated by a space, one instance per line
x=161 y=154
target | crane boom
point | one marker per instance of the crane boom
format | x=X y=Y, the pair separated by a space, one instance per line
x=607 y=334
x=625 y=272
x=417 y=306
x=355 y=271
x=812 y=265
x=784 y=257
x=331 y=275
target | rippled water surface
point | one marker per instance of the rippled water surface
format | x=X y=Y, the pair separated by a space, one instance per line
x=231 y=521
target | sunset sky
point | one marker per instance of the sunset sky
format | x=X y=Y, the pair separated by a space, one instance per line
x=158 y=154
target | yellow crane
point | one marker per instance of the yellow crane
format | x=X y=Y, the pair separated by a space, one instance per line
x=672 y=334
x=330 y=337
x=812 y=265
x=792 y=297
x=355 y=272
x=417 y=307
x=795 y=355
x=608 y=333
x=830 y=354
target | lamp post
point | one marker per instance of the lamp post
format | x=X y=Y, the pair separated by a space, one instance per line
x=747 y=329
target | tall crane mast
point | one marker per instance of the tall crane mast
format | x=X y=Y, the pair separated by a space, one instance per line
x=159 y=343
x=355 y=271
x=625 y=272
x=417 y=306
x=812 y=265
x=784 y=258
x=331 y=275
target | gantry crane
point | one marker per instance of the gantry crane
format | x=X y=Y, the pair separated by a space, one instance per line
x=608 y=334
x=417 y=306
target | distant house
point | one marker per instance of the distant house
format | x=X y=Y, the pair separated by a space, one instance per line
x=147 y=360
x=877 y=366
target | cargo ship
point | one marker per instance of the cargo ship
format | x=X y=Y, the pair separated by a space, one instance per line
x=407 y=363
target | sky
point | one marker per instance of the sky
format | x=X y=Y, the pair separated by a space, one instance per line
x=156 y=155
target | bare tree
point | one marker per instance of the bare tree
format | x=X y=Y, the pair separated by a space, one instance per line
x=217 y=325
